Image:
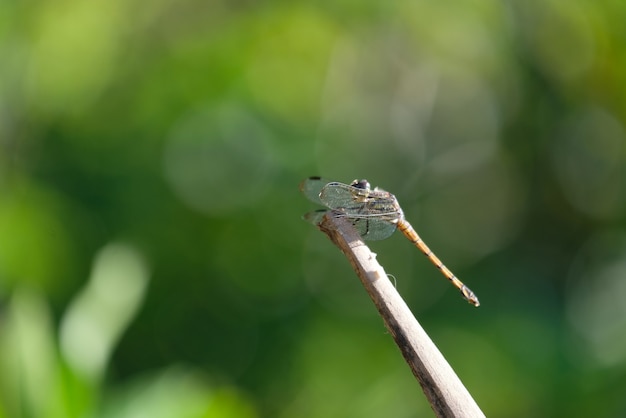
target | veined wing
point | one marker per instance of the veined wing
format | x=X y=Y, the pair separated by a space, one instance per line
x=312 y=187
x=358 y=202
x=373 y=213
x=334 y=195
x=315 y=217
x=373 y=228
x=370 y=228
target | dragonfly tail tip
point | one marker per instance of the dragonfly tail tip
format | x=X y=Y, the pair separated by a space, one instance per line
x=469 y=296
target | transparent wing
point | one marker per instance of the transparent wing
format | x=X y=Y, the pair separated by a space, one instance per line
x=314 y=217
x=312 y=188
x=357 y=201
x=373 y=228
x=369 y=227
x=374 y=213
x=348 y=199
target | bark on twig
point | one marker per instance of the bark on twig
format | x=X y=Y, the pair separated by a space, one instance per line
x=445 y=392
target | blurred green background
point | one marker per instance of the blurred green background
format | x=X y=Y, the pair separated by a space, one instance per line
x=153 y=261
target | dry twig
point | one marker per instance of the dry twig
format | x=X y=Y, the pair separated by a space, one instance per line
x=445 y=392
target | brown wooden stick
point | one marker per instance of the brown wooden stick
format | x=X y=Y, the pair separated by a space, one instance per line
x=445 y=392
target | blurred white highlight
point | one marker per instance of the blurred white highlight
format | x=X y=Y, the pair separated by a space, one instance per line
x=596 y=308
x=101 y=312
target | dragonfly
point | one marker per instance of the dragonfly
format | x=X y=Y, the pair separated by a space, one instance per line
x=375 y=214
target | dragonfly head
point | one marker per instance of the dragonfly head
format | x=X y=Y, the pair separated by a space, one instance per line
x=361 y=184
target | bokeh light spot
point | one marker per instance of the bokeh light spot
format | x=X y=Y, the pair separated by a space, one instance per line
x=596 y=308
x=219 y=159
x=589 y=156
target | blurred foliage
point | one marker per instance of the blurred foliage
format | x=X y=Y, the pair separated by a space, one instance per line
x=152 y=257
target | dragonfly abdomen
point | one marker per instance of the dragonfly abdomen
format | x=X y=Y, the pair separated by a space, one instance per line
x=415 y=239
x=410 y=233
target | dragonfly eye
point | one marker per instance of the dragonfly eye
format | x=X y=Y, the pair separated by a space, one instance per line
x=361 y=184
